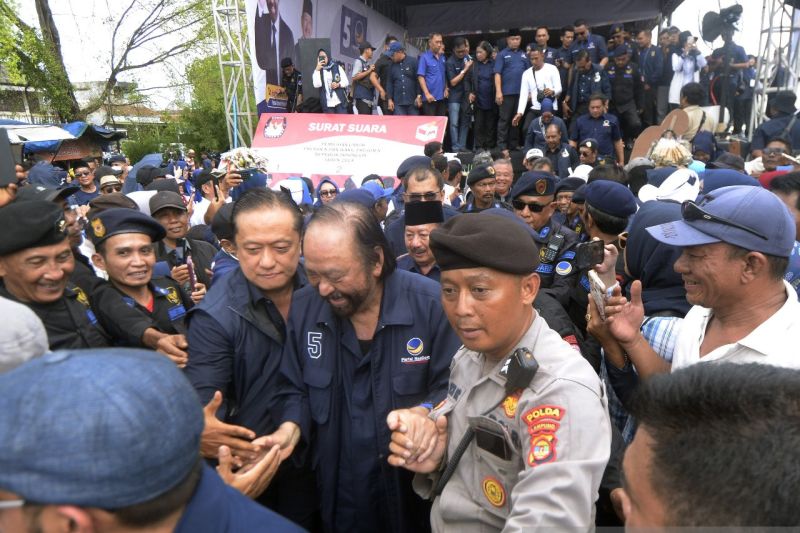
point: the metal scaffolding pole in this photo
(778, 63)
(234, 65)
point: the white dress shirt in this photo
(546, 77)
(771, 343)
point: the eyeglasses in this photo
(11, 504)
(430, 196)
(112, 188)
(690, 211)
(329, 193)
(622, 240)
(82, 173)
(771, 151)
(520, 205)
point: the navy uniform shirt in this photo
(604, 129)
(594, 44)
(402, 85)
(482, 84)
(563, 58)
(69, 321)
(556, 268)
(170, 304)
(453, 68)
(774, 127)
(627, 89)
(510, 64)
(564, 159)
(339, 391)
(550, 54)
(406, 262)
(651, 63)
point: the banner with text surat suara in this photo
(311, 144)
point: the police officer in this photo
(402, 86)
(533, 199)
(512, 447)
(236, 336)
(365, 339)
(35, 263)
(627, 92)
(292, 83)
(124, 241)
(421, 218)
(599, 125)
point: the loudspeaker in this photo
(307, 59)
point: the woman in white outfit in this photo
(687, 66)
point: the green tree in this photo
(148, 32)
(201, 124)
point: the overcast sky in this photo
(85, 29)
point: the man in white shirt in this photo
(736, 243)
(540, 81)
(204, 182)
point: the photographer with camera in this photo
(542, 80)
(331, 80)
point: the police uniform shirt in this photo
(510, 64)
(605, 129)
(340, 391)
(626, 86)
(539, 454)
(169, 305)
(69, 321)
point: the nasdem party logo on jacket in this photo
(414, 347)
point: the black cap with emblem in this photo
(31, 225)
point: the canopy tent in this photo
(20, 132)
(87, 140)
(491, 16)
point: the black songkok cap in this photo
(418, 213)
(484, 240)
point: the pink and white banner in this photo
(310, 144)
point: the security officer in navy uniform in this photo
(481, 182)
(627, 92)
(35, 263)
(587, 79)
(599, 125)
(124, 241)
(363, 340)
(533, 199)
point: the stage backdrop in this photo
(342, 146)
(347, 23)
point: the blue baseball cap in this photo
(717, 178)
(610, 197)
(106, 428)
(395, 47)
(723, 216)
(377, 191)
(410, 163)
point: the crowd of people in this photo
(190, 347)
(506, 95)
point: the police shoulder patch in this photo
(563, 268)
(172, 295)
(543, 422)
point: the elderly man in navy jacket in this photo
(363, 340)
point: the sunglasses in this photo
(519, 205)
(585, 153)
(328, 194)
(690, 211)
(82, 173)
(771, 151)
(112, 188)
(431, 196)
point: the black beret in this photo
(222, 223)
(30, 193)
(580, 195)
(484, 240)
(30, 225)
(119, 220)
(286, 62)
(534, 183)
(410, 163)
(478, 173)
(418, 213)
(569, 184)
(589, 143)
(611, 197)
